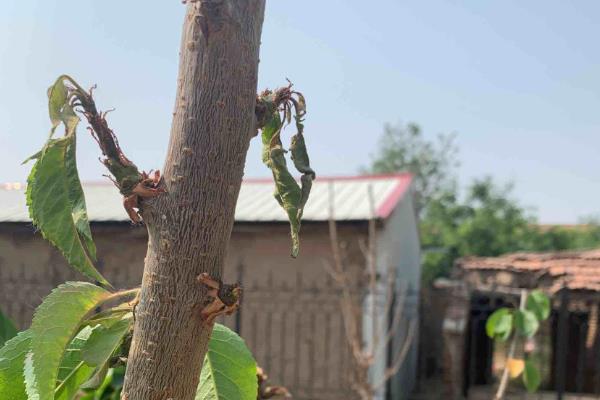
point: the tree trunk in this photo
(189, 226)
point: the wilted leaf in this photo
(54, 324)
(539, 304)
(291, 196)
(7, 329)
(12, 358)
(499, 324)
(531, 377)
(271, 129)
(526, 323)
(302, 164)
(59, 108)
(229, 370)
(288, 194)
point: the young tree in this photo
(520, 326)
(216, 114)
(189, 226)
(189, 213)
(488, 222)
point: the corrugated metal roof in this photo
(255, 203)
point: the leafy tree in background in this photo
(585, 235)
(490, 222)
(404, 148)
(486, 221)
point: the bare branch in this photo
(400, 357)
(372, 268)
(395, 326)
(363, 357)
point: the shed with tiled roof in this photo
(576, 271)
(568, 342)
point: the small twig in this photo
(224, 298)
(363, 357)
(346, 302)
(132, 183)
(395, 321)
(401, 356)
(372, 268)
(266, 391)
(122, 294)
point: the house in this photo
(290, 315)
(567, 346)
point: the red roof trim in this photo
(403, 175)
(386, 208)
(389, 204)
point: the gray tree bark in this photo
(189, 226)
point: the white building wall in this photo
(398, 247)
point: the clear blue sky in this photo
(518, 81)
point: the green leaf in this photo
(97, 378)
(77, 200)
(531, 377)
(55, 322)
(229, 370)
(73, 371)
(57, 207)
(54, 194)
(539, 304)
(500, 324)
(109, 316)
(86, 360)
(526, 323)
(12, 358)
(105, 340)
(7, 329)
(57, 98)
(110, 389)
